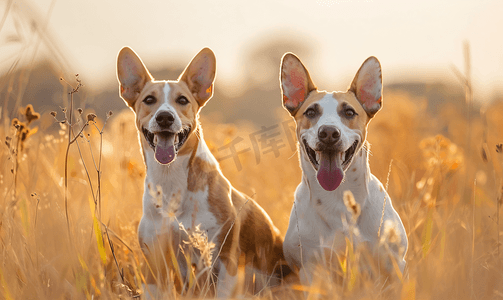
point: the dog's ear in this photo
(132, 75)
(200, 74)
(296, 83)
(367, 86)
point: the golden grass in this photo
(447, 199)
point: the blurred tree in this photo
(260, 96)
(263, 60)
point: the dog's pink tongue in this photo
(329, 173)
(165, 149)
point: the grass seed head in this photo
(30, 114)
(198, 239)
(156, 195)
(440, 152)
(351, 205)
(174, 205)
(484, 155)
(24, 134)
(391, 234)
(91, 117)
(17, 124)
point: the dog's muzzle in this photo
(166, 143)
(329, 161)
(314, 155)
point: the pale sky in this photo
(412, 39)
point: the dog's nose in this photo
(329, 134)
(165, 119)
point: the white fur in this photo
(317, 215)
(165, 107)
(226, 283)
(204, 152)
(330, 117)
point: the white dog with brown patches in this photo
(332, 131)
(193, 188)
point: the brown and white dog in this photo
(193, 188)
(332, 131)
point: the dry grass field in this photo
(70, 196)
(57, 231)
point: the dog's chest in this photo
(324, 211)
(185, 222)
(177, 207)
(194, 211)
(168, 204)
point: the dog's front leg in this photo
(151, 288)
(305, 276)
(154, 246)
(226, 282)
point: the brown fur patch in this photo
(259, 239)
(304, 123)
(221, 207)
(361, 120)
(181, 89)
(203, 174)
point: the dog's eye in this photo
(349, 112)
(149, 100)
(310, 113)
(182, 100)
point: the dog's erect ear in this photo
(132, 75)
(295, 82)
(200, 74)
(367, 86)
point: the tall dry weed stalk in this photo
(16, 143)
(68, 121)
(100, 229)
(466, 80)
(384, 200)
